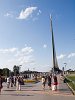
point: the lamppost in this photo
(63, 70)
(65, 66)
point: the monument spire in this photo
(55, 63)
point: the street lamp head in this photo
(20, 65)
(65, 63)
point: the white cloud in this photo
(23, 56)
(10, 60)
(8, 15)
(27, 50)
(26, 59)
(13, 49)
(16, 56)
(24, 51)
(71, 55)
(39, 12)
(27, 12)
(10, 50)
(44, 46)
(61, 56)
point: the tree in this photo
(1, 72)
(16, 70)
(6, 72)
(11, 73)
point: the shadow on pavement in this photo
(63, 90)
(9, 90)
(31, 90)
(23, 90)
(18, 94)
(27, 86)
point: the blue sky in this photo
(25, 37)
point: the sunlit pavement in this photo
(35, 92)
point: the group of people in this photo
(15, 81)
(51, 81)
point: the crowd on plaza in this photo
(11, 81)
(17, 81)
(51, 80)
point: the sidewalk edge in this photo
(71, 89)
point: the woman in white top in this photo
(8, 82)
(43, 82)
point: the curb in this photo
(71, 89)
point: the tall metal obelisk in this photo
(55, 63)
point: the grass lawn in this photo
(70, 82)
(71, 78)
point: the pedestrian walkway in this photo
(62, 88)
(31, 91)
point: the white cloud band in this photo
(27, 12)
(61, 56)
(71, 55)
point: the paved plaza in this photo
(34, 91)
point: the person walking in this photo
(0, 84)
(49, 81)
(19, 80)
(55, 81)
(8, 82)
(43, 82)
(17, 84)
(15, 78)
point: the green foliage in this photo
(72, 81)
(72, 85)
(6, 72)
(71, 77)
(16, 70)
(1, 72)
